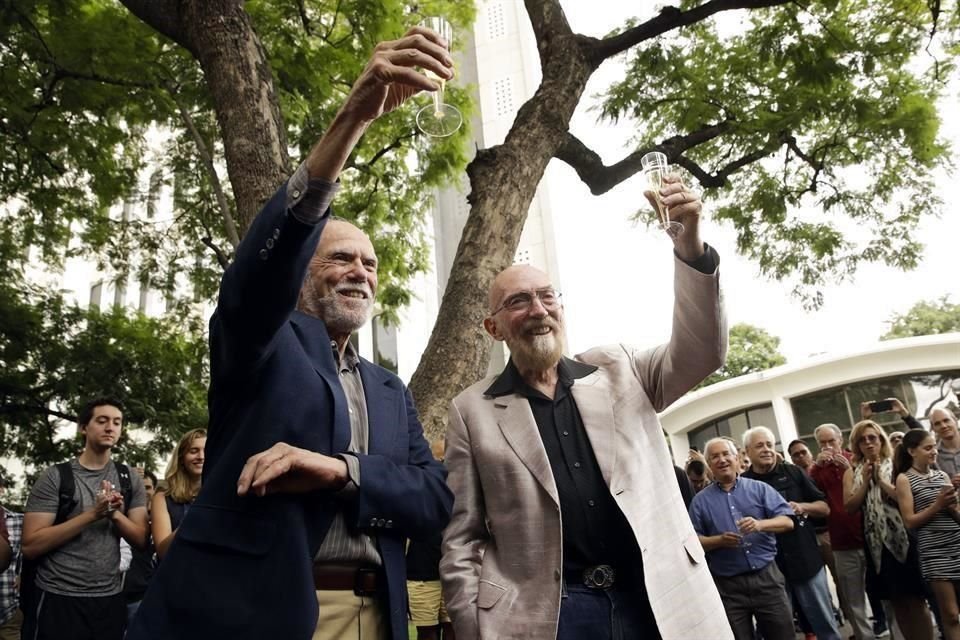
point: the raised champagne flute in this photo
(439, 119)
(655, 167)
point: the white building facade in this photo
(793, 399)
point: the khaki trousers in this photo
(347, 616)
(10, 630)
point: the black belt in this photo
(363, 581)
(601, 576)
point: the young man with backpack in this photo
(75, 516)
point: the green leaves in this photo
(54, 356)
(927, 317)
(831, 108)
(751, 349)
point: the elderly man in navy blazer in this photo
(316, 466)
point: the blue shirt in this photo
(715, 511)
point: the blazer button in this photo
(389, 524)
(276, 233)
(264, 254)
(269, 243)
(373, 522)
(381, 522)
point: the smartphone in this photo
(881, 405)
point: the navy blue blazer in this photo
(241, 567)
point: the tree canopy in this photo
(925, 318)
(796, 110)
(56, 356)
(751, 349)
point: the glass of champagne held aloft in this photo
(655, 167)
(439, 119)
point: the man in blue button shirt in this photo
(737, 520)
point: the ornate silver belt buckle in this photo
(601, 576)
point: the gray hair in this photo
(725, 440)
(832, 427)
(749, 433)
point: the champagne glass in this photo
(655, 167)
(737, 518)
(438, 119)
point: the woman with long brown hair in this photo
(928, 504)
(182, 485)
(892, 565)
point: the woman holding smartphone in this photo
(928, 503)
(892, 567)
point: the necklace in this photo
(925, 474)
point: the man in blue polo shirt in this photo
(737, 520)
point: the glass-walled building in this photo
(792, 400)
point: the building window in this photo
(734, 426)
(496, 22)
(503, 97)
(841, 405)
(385, 344)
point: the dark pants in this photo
(596, 614)
(759, 595)
(73, 618)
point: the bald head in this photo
(519, 277)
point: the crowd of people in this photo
(562, 517)
(882, 518)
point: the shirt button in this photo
(373, 522)
(276, 233)
(576, 465)
(264, 254)
(591, 502)
(296, 193)
(566, 433)
(269, 243)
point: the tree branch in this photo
(163, 16)
(222, 258)
(668, 19)
(206, 159)
(13, 407)
(396, 144)
(601, 178)
(304, 18)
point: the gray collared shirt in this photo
(342, 545)
(948, 461)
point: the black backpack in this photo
(66, 503)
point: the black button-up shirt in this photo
(594, 529)
(798, 553)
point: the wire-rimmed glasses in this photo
(549, 297)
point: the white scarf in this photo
(883, 526)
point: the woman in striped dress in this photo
(928, 503)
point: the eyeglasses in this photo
(523, 300)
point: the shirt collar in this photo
(509, 381)
(350, 358)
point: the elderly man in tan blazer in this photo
(568, 522)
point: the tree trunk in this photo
(503, 181)
(237, 71)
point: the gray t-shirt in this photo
(89, 564)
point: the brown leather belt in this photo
(363, 581)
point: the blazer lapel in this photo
(596, 411)
(382, 410)
(516, 422)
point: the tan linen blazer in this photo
(501, 563)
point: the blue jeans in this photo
(605, 615)
(813, 597)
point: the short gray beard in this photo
(337, 318)
(541, 353)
